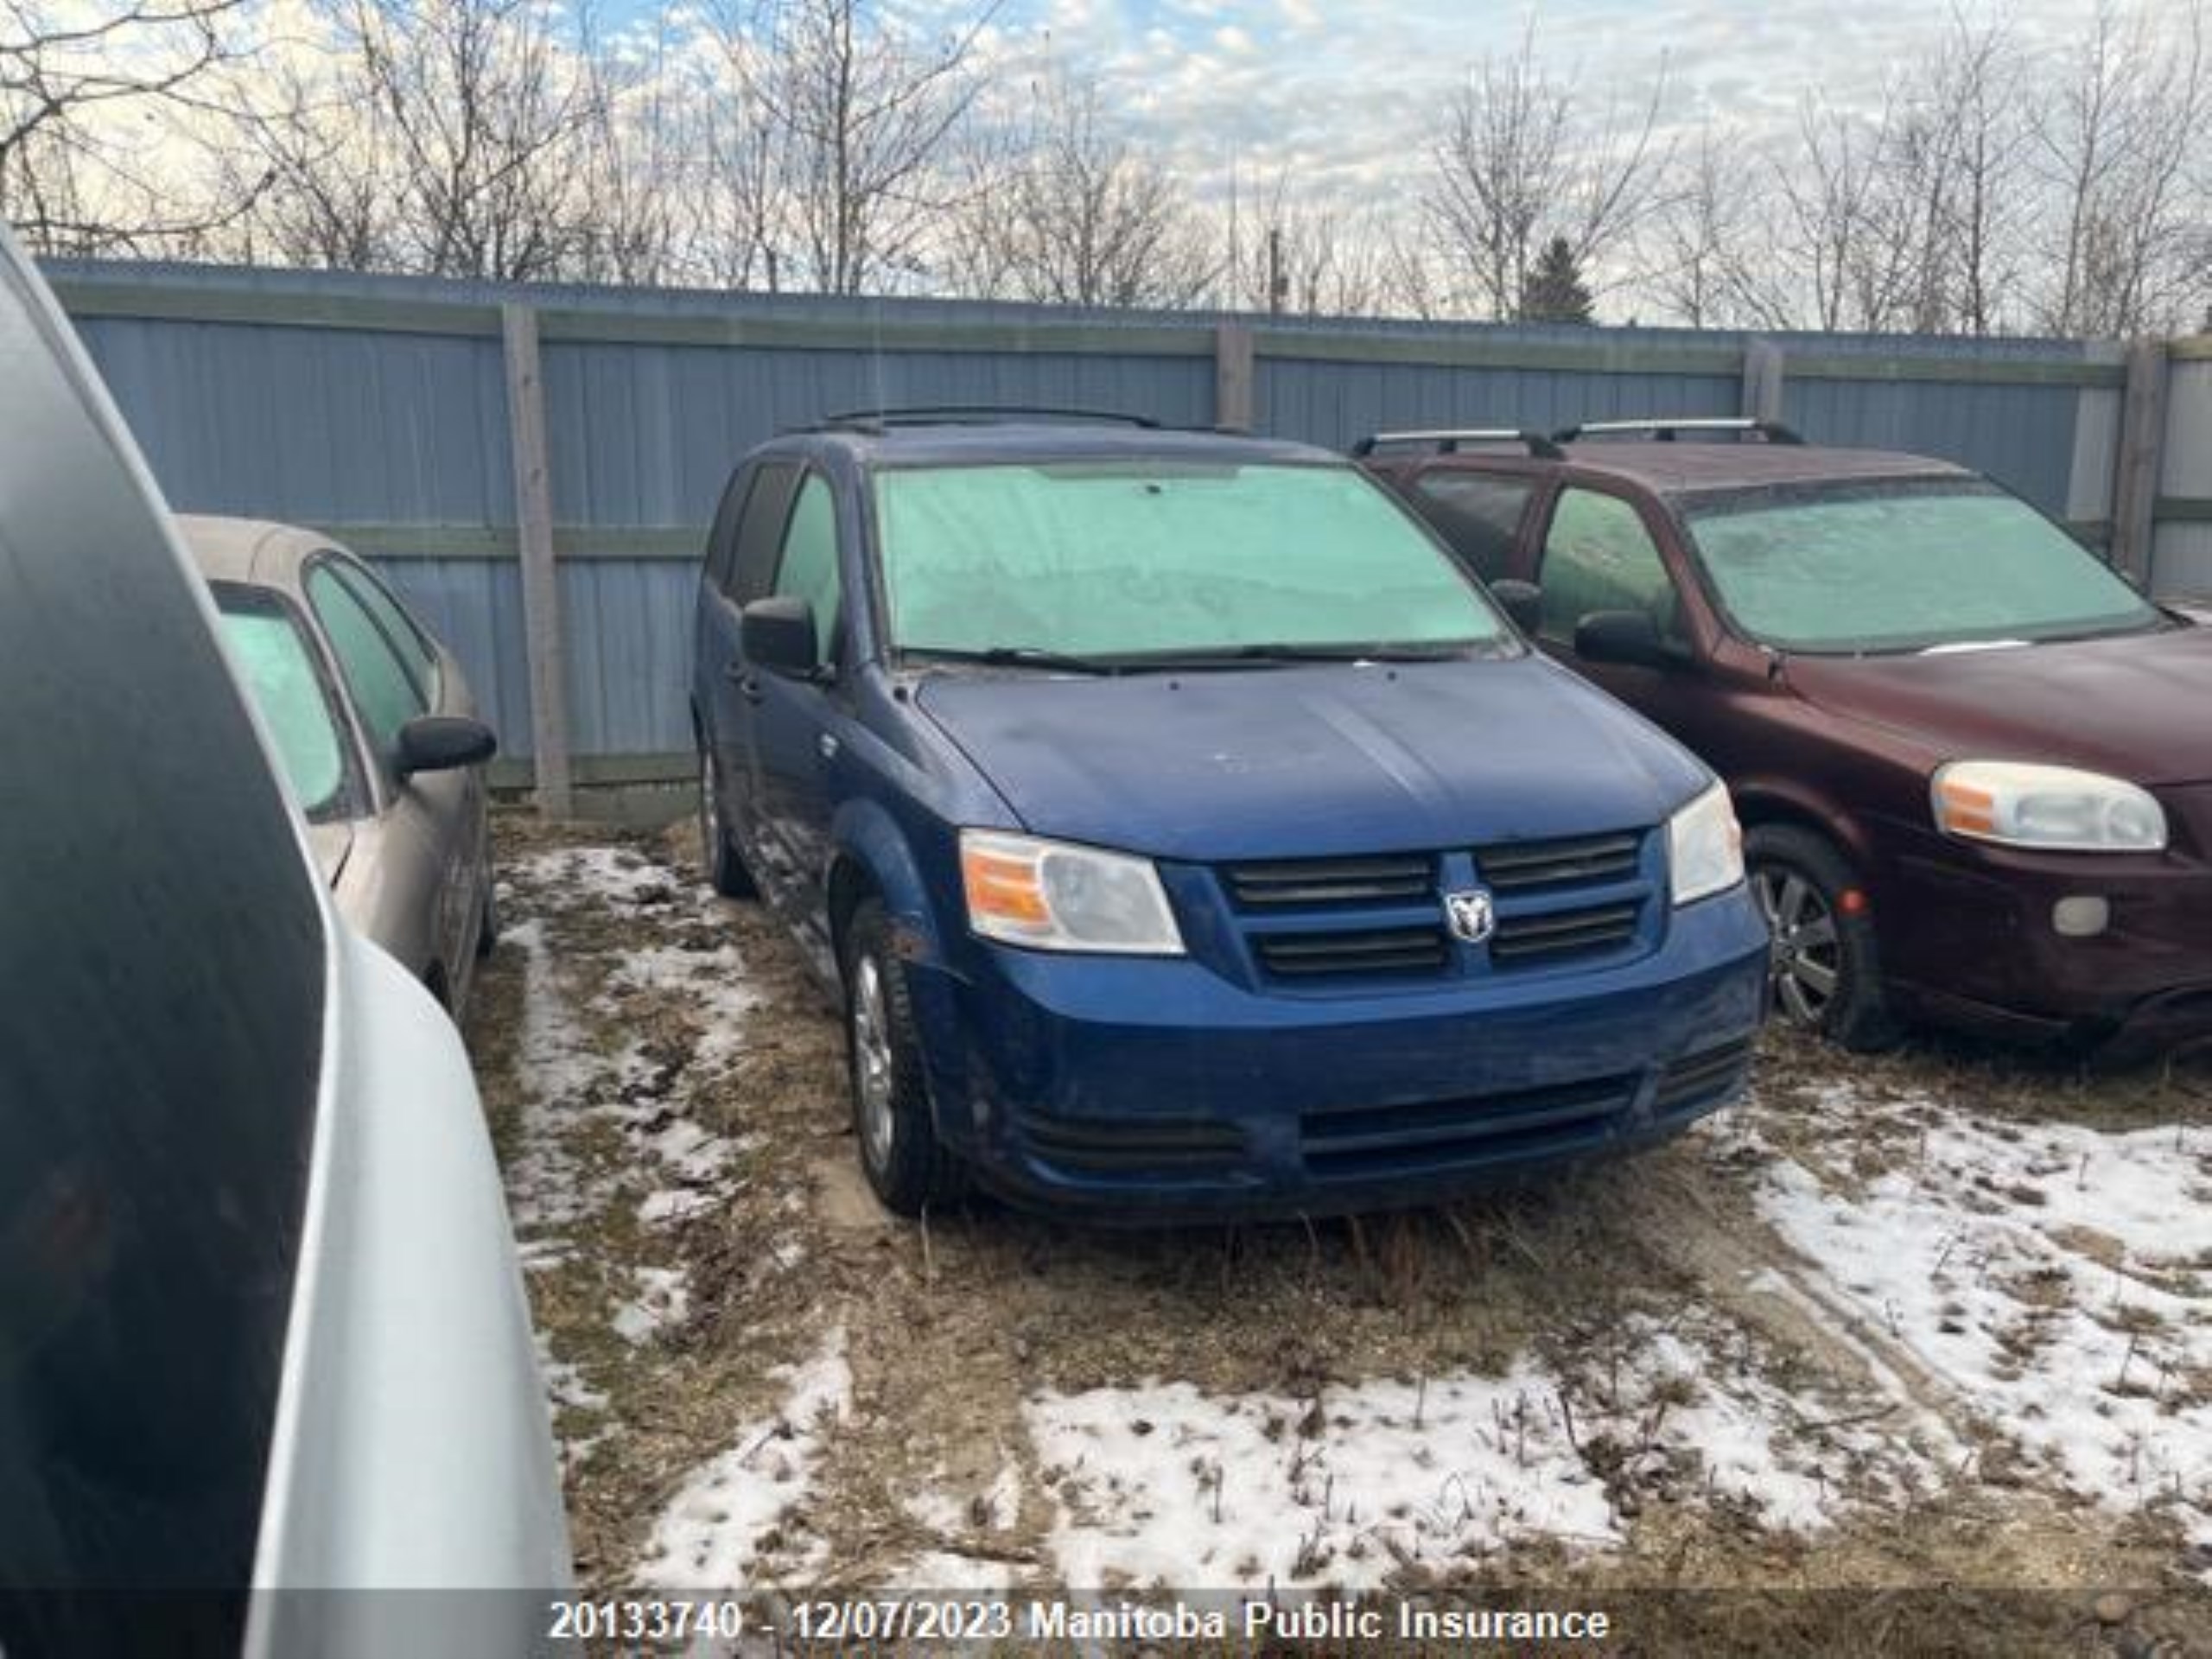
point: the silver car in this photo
(261, 1326)
(378, 738)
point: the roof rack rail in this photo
(1449, 440)
(878, 420)
(1664, 429)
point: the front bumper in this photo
(1969, 936)
(1143, 1089)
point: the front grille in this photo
(1364, 951)
(1698, 1077)
(1302, 883)
(1133, 1146)
(1479, 1128)
(1551, 936)
(1525, 866)
(1325, 923)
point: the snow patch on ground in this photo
(606, 1122)
(1164, 1484)
(663, 1299)
(726, 1523)
(547, 1188)
(938, 1511)
(668, 1206)
(612, 873)
(937, 1570)
(2059, 1277)
(1003, 1500)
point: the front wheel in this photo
(900, 1154)
(725, 869)
(1823, 968)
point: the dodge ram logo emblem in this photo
(1471, 914)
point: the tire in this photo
(487, 918)
(1826, 974)
(900, 1151)
(725, 869)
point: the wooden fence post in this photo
(2135, 478)
(1232, 376)
(1762, 377)
(540, 589)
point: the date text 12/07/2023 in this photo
(924, 1619)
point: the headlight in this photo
(1052, 896)
(2056, 808)
(1704, 848)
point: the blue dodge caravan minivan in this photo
(1183, 834)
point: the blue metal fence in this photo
(376, 408)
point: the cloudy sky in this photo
(1338, 90)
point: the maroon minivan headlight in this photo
(2052, 809)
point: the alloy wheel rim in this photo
(872, 1063)
(1805, 960)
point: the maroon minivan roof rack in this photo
(1669, 429)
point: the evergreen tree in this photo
(1552, 289)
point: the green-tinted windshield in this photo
(273, 654)
(1903, 566)
(1137, 559)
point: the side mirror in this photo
(1629, 638)
(1524, 602)
(443, 743)
(777, 633)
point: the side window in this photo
(283, 671)
(382, 691)
(1478, 514)
(1597, 556)
(808, 569)
(721, 540)
(760, 532)
(406, 635)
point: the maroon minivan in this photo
(1974, 765)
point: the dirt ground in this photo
(1933, 1322)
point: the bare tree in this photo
(642, 172)
(1983, 89)
(489, 105)
(1077, 215)
(862, 111)
(69, 179)
(2115, 147)
(1709, 246)
(1517, 167)
(1835, 230)
(1308, 256)
(744, 219)
(310, 129)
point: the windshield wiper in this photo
(1288, 651)
(1017, 657)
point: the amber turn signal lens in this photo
(1965, 809)
(1008, 888)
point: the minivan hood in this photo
(1314, 761)
(2133, 706)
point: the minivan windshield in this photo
(1135, 560)
(1903, 565)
